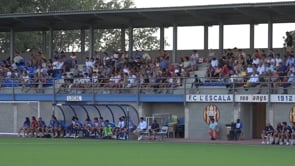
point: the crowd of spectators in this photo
(96, 127)
(282, 134)
(236, 68)
(118, 70)
(103, 70)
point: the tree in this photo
(105, 39)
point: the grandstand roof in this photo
(255, 13)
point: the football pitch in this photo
(88, 152)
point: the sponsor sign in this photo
(209, 98)
(251, 98)
(74, 98)
(282, 98)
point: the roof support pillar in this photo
(130, 44)
(270, 25)
(206, 43)
(44, 41)
(220, 39)
(252, 35)
(12, 44)
(123, 38)
(82, 37)
(162, 38)
(50, 45)
(91, 41)
(174, 43)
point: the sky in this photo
(193, 38)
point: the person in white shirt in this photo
(278, 60)
(256, 61)
(250, 69)
(214, 62)
(253, 81)
(120, 128)
(141, 127)
(194, 59)
(131, 80)
(261, 68)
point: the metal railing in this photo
(164, 86)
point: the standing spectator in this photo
(194, 60)
(289, 41)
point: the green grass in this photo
(76, 152)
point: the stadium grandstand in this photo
(183, 89)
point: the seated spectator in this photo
(214, 62)
(78, 125)
(55, 127)
(225, 71)
(132, 80)
(293, 134)
(141, 127)
(41, 129)
(130, 124)
(25, 81)
(107, 130)
(74, 127)
(119, 130)
(278, 134)
(250, 69)
(97, 128)
(236, 130)
(290, 81)
(34, 126)
(253, 81)
(286, 134)
(267, 134)
(213, 129)
(218, 71)
(236, 80)
(87, 126)
(25, 128)
(155, 127)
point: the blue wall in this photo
(99, 98)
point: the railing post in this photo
(138, 94)
(13, 89)
(92, 89)
(184, 84)
(54, 93)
